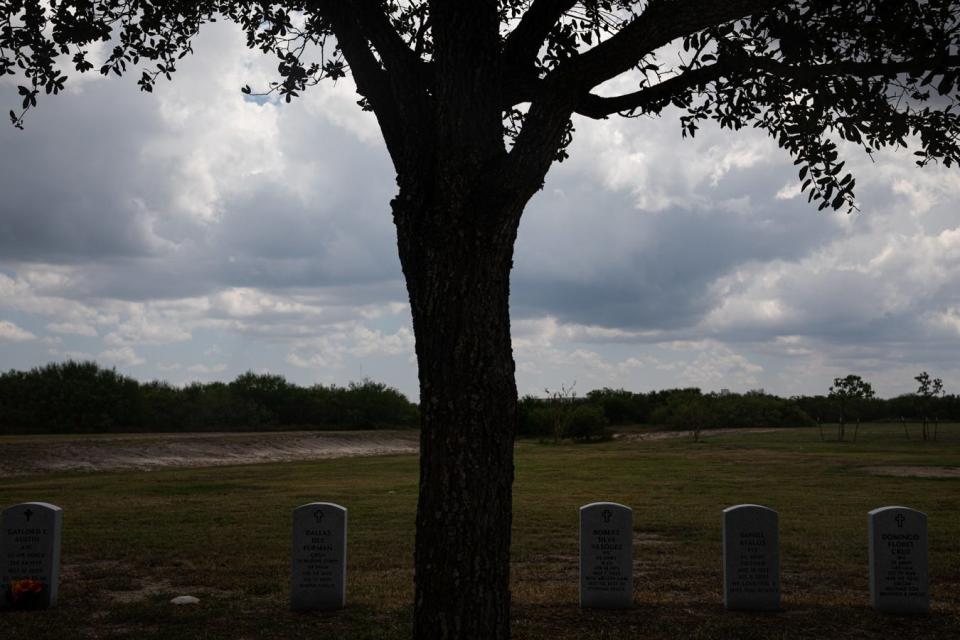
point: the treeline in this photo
(910, 407)
(82, 397)
(588, 417)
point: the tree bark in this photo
(456, 250)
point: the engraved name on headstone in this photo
(751, 558)
(898, 560)
(30, 555)
(318, 576)
(606, 556)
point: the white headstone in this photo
(606, 556)
(751, 558)
(899, 579)
(318, 576)
(30, 555)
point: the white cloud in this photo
(789, 191)
(331, 350)
(204, 369)
(719, 366)
(12, 333)
(146, 329)
(71, 354)
(73, 328)
(124, 356)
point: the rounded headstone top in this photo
(325, 505)
(39, 505)
(749, 506)
(594, 505)
(880, 510)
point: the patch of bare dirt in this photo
(645, 539)
(915, 471)
(153, 451)
(706, 433)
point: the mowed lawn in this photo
(133, 540)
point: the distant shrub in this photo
(536, 420)
(696, 415)
(548, 418)
(587, 422)
(731, 410)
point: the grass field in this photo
(133, 540)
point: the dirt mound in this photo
(22, 456)
(666, 435)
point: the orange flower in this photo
(18, 588)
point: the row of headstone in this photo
(30, 556)
(31, 533)
(751, 558)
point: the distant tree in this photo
(621, 406)
(848, 393)
(697, 414)
(927, 393)
(670, 403)
(562, 402)
(587, 422)
(475, 101)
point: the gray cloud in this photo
(590, 255)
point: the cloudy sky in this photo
(194, 234)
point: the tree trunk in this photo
(457, 253)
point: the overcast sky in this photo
(193, 234)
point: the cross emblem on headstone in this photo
(607, 514)
(318, 515)
(900, 519)
(28, 514)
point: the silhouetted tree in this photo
(696, 415)
(474, 100)
(929, 390)
(562, 402)
(848, 393)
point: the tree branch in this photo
(371, 79)
(393, 51)
(560, 94)
(524, 42)
(649, 98)
(661, 23)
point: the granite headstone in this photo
(318, 576)
(751, 558)
(606, 556)
(899, 577)
(30, 555)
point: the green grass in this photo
(133, 540)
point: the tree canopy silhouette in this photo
(475, 101)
